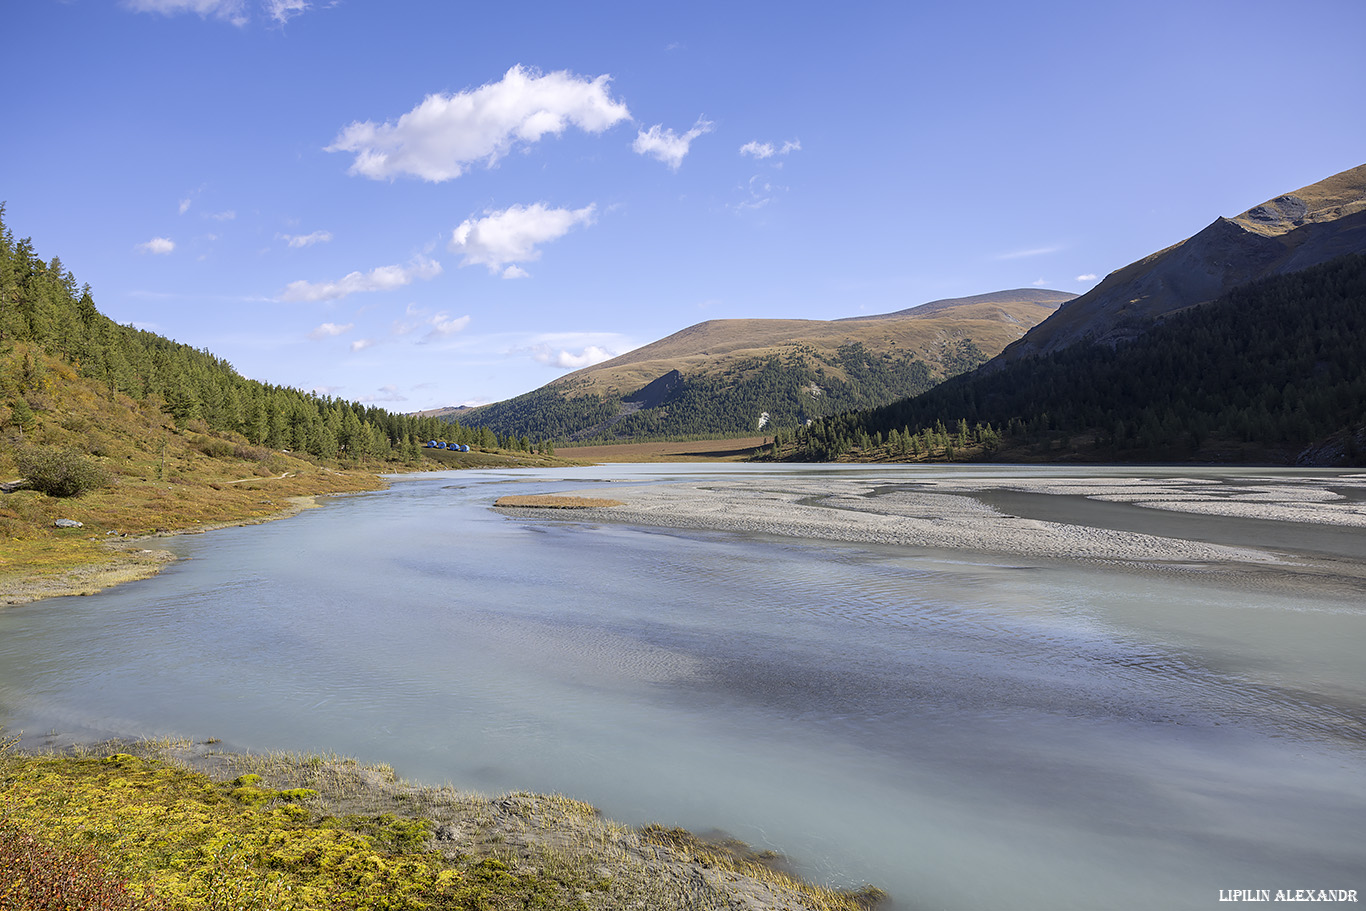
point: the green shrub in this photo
(213, 447)
(62, 473)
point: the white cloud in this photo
(361, 344)
(512, 235)
(306, 240)
(227, 215)
(758, 149)
(384, 278)
(185, 205)
(330, 330)
(1040, 283)
(442, 136)
(443, 325)
(1088, 277)
(158, 245)
(233, 11)
(667, 146)
(568, 360)
(438, 325)
(515, 272)
(284, 10)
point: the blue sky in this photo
(420, 203)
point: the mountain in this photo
(737, 376)
(1287, 234)
(1241, 343)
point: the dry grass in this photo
(715, 346)
(554, 501)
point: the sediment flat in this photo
(948, 512)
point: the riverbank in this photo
(300, 831)
(60, 546)
(1145, 522)
(90, 565)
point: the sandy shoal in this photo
(942, 513)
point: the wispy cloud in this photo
(305, 240)
(385, 394)
(159, 246)
(758, 149)
(226, 215)
(667, 146)
(571, 360)
(233, 11)
(440, 138)
(361, 344)
(281, 11)
(330, 330)
(1088, 277)
(513, 235)
(1040, 283)
(1033, 251)
(384, 278)
(759, 192)
(438, 325)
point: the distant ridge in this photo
(1287, 234)
(737, 376)
(996, 298)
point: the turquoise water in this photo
(965, 731)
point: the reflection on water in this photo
(967, 731)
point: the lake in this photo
(963, 730)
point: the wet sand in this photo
(958, 513)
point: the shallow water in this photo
(965, 731)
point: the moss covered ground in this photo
(182, 827)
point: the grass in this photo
(176, 825)
(554, 501)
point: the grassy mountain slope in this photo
(1270, 372)
(1291, 232)
(746, 375)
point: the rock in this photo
(68, 523)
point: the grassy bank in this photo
(144, 474)
(177, 825)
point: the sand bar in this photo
(946, 513)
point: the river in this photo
(963, 730)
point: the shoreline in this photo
(130, 560)
(547, 836)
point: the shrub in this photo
(62, 473)
(212, 447)
(39, 876)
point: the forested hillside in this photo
(107, 431)
(1272, 371)
(747, 396)
(47, 319)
